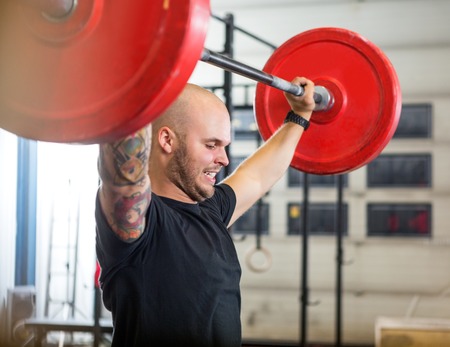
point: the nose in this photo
(222, 157)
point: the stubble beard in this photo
(182, 173)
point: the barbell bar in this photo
(94, 70)
(322, 96)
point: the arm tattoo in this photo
(129, 214)
(130, 158)
(123, 169)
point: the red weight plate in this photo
(367, 96)
(106, 70)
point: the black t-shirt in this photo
(178, 284)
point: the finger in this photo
(302, 81)
(306, 84)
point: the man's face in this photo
(199, 157)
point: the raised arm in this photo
(259, 172)
(125, 188)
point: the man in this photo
(170, 272)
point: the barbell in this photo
(91, 71)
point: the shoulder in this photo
(223, 201)
(222, 192)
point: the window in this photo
(415, 122)
(399, 220)
(405, 170)
(244, 124)
(248, 223)
(321, 218)
(295, 179)
(234, 163)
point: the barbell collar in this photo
(322, 97)
(53, 10)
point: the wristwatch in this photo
(297, 119)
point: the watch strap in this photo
(297, 119)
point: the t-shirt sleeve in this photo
(110, 249)
(225, 199)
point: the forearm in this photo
(125, 189)
(259, 172)
(269, 163)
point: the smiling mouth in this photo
(210, 174)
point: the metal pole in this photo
(339, 260)
(304, 275)
(259, 206)
(249, 34)
(228, 76)
(75, 260)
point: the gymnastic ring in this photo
(258, 268)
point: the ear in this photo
(166, 139)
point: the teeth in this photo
(210, 174)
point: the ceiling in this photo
(223, 5)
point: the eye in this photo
(210, 146)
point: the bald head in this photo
(192, 102)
